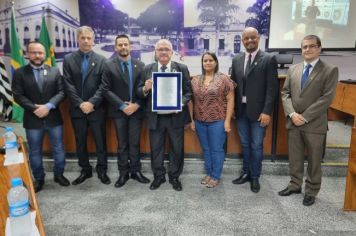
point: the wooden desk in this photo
(345, 101)
(20, 170)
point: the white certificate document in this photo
(167, 92)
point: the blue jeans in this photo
(251, 138)
(35, 141)
(212, 137)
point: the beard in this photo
(36, 63)
(124, 53)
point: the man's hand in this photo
(130, 108)
(41, 110)
(148, 85)
(264, 119)
(298, 119)
(86, 107)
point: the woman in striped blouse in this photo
(211, 110)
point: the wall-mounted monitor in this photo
(334, 21)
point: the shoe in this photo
(82, 177)
(212, 183)
(242, 179)
(122, 180)
(176, 184)
(104, 178)
(287, 192)
(255, 185)
(63, 181)
(205, 180)
(38, 185)
(140, 177)
(308, 200)
(157, 182)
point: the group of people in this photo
(209, 102)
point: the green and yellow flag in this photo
(46, 41)
(17, 60)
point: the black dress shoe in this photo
(242, 179)
(176, 184)
(157, 182)
(140, 177)
(122, 180)
(38, 185)
(104, 178)
(287, 192)
(63, 181)
(255, 185)
(82, 177)
(308, 200)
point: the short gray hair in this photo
(83, 28)
(165, 41)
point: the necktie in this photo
(39, 77)
(163, 68)
(248, 65)
(305, 75)
(127, 77)
(85, 63)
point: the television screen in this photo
(334, 21)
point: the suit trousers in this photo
(80, 126)
(298, 141)
(176, 147)
(128, 133)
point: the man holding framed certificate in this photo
(165, 85)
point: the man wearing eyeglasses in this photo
(306, 95)
(160, 124)
(38, 89)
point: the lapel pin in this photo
(255, 63)
(135, 66)
(93, 64)
(44, 72)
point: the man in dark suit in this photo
(306, 95)
(120, 79)
(255, 73)
(82, 71)
(160, 123)
(38, 89)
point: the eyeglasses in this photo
(311, 46)
(34, 53)
(163, 50)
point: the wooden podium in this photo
(18, 170)
(345, 101)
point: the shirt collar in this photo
(313, 63)
(37, 67)
(168, 66)
(87, 53)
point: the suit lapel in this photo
(45, 77)
(298, 75)
(316, 71)
(91, 64)
(255, 62)
(32, 77)
(134, 71)
(78, 60)
(118, 68)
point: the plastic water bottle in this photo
(12, 153)
(20, 218)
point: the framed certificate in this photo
(167, 92)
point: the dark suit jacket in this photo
(90, 90)
(116, 87)
(27, 94)
(313, 101)
(261, 84)
(181, 118)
